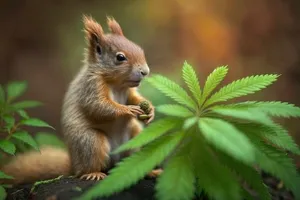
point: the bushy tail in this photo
(33, 166)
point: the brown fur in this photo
(99, 110)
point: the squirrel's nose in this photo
(144, 69)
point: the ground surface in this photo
(68, 188)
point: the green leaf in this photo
(2, 95)
(25, 104)
(172, 90)
(213, 80)
(272, 108)
(35, 122)
(251, 115)
(177, 180)
(188, 123)
(227, 138)
(25, 137)
(2, 193)
(148, 134)
(49, 140)
(241, 87)
(7, 147)
(142, 162)
(247, 173)
(5, 176)
(174, 110)
(191, 79)
(16, 89)
(215, 178)
(10, 121)
(23, 114)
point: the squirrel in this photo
(99, 111)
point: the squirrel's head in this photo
(112, 55)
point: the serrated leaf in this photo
(174, 110)
(190, 77)
(241, 87)
(246, 173)
(16, 89)
(177, 180)
(10, 121)
(7, 146)
(25, 137)
(5, 176)
(23, 114)
(213, 80)
(2, 95)
(250, 115)
(2, 193)
(148, 134)
(49, 139)
(272, 108)
(154, 153)
(217, 181)
(227, 138)
(35, 122)
(25, 104)
(188, 123)
(172, 90)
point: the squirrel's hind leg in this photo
(90, 154)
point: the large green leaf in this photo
(16, 89)
(189, 122)
(148, 134)
(7, 146)
(227, 138)
(174, 110)
(214, 178)
(35, 122)
(172, 90)
(191, 79)
(212, 81)
(25, 104)
(177, 180)
(241, 87)
(25, 137)
(142, 162)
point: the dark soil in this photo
(68, 188)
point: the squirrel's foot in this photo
(154, 173)
(94, 176)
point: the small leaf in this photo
(142, 162)
(7, 147)
(25, 104)
(2, 95)
(241, 87)
(150, 133)
(10, 121)
(227, 138)
(213, 80)
(25, 137)
(172, 90)
(23, 114)
(5, 176)
(190, 77)
(177, 180)
(188, 123)
(2, 193)
(16, 89)
(174, 110)
(35, 122)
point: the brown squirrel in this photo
(99, 112)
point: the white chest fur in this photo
(118, 95)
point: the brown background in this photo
(42, 42)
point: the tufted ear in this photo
(114, 26)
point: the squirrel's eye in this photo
(120, 57)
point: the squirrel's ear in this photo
(93, 30)
(114, 26)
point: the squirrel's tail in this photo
(33, 166)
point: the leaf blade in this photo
(15, 89)
(25, 137)
(174, 110)
(7, 147)
(35, 122)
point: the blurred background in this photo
(42, 43)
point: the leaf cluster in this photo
(209, 147)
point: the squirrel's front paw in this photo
(135, 110)
(94, 176)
